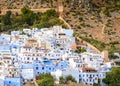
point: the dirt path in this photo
(69, 27)
(60, 10)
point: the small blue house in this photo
(13, 82)
(4, 48)
(3, 40)
(48, 66)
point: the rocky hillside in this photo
(95, 20)
(33, 4)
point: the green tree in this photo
(0, 18)
(6, 19)
(83, 50)
(112, 56)
(45, 80)
(70, 78)
(113, 77)
(51, 13)
(95, 84)
(28, 16)
(65, 80)
(62, 80)
(80, 50)
(67, 1)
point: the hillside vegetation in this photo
(29, 19)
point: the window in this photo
(36, 58)
(91, 59)
(83, 75)
(28, 58)
(9, 81)
(80, 80)
(7, 61)
(79, 75)
(42, 68)
(90, 75)
(90, 83)
(36, 68)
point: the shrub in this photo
(67, 79)
(45, 80)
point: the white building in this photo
(92, 60)
(27, 72)
(20, 49)
(85, 75)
